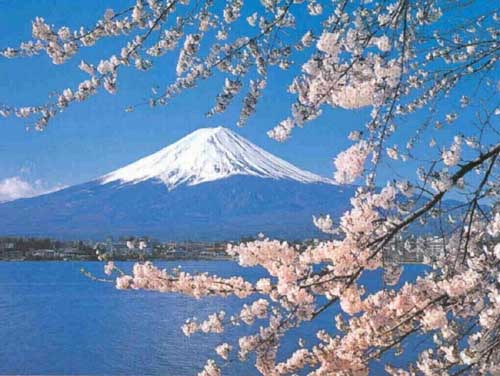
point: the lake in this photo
(56, 321)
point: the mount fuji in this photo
(211, 185)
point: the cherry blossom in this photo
(416, 72)
(223, 350)
(350, 163)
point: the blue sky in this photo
(97, 136)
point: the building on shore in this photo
(412, 249)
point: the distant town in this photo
(38, 249)
(401, 250)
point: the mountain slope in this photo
(223, 209)
(210, 185)
(209, 154)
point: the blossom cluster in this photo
(389, 59)
(440, 304)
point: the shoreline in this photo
(125, 260)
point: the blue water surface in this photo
(56, 321)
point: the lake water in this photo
(55, 321)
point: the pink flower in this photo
(434, 318)
(350, 163)
(124, 282)
(210, 369)
(109, 267)
(223, 350)
(350, 301)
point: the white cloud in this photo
(15, 187)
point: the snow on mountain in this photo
(245, 190)
(209, 154)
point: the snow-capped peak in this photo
(209, 154)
